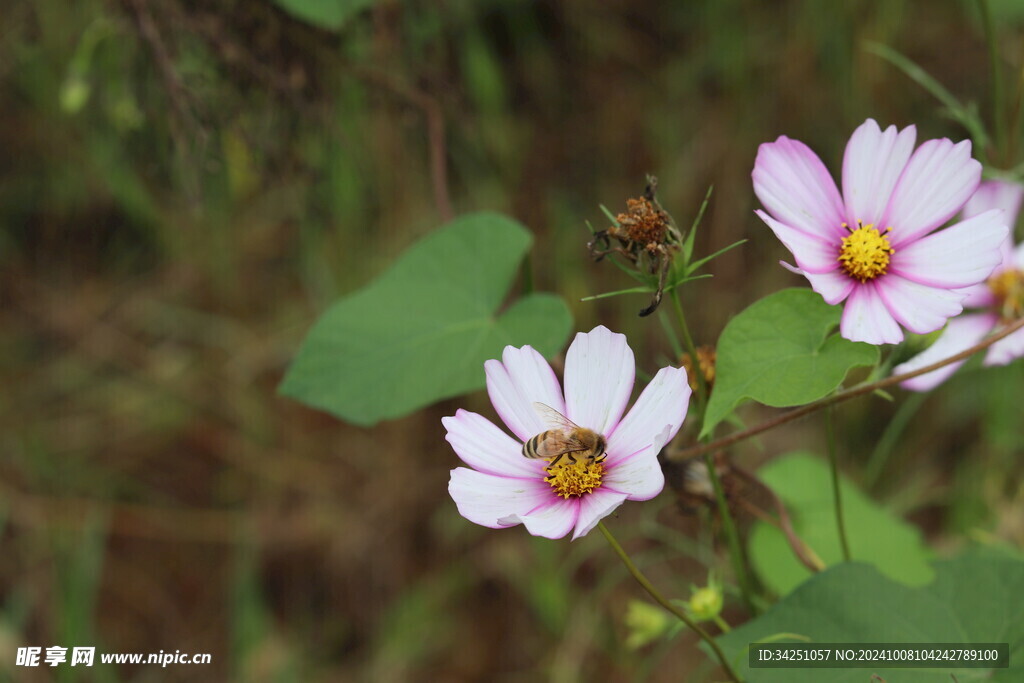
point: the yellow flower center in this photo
(865, 252)
(1008, 288)
(574, 478)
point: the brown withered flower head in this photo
(644, 235)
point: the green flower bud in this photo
(645, 623)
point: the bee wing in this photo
(554, 418)
(556, 443)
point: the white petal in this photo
(833, 287)
(918, 308)
(594, 507)
(995, 194)
(939, 178)
(1017, 259)
(960, 334)
(872, 164)
(490, 500)
(639, 475)
(813, 253)
(655, 417)
(484, 447)
(552, 519)
(1006, 349)
(866, 319)
(978, 296)
(959, 256)
(599, 372)
(514, 384)
(796, 188)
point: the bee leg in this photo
(602, 457)
(572, 458)
(555, 461)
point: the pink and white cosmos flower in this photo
(876, 246)
(1000, 300)
(504, 489)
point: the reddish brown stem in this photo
(839, 397)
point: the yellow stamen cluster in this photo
(865, 252)
(1008, 289)
(574, 478)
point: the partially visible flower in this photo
(1000, 299)
(504, 489)
(876, 246)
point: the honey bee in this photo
(567, 439)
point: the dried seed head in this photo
(643, 223)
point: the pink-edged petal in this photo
(996, 194)
(939, 178)
(639, 475)
(594, 507)
(796, 188)
(866, 319)
(978, 296)
(494, 501)
(813, 253)
(872, 164)
(1017, 259)
(552, 519)
(599, 373)
(1006, 349)
(960, 334)
(521, 378)
(918, 308)
(833, 287)
(662, 406)
(485, 447)
(959, 256)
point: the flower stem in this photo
(837, 498)
(839, 397)
(691, 348)
(995, 73)
(661, 600)
(732, 537)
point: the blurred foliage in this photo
(185, 186)
(804, 483)
(965, 604)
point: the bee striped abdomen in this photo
(530, 447)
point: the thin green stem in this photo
(661, 600)
(887, 442)
(995, 74)
(837, 498)
(732, 537)
(839, 397)
(722, 624)
(691, 348)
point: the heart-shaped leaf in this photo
(804, 483)
(974, 599)
(778, 352)
(422, 330)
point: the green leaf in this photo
(330, 15)
(804, 483)
(422, 330)
(974, 598)
(777, 352)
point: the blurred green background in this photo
(185, 186)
